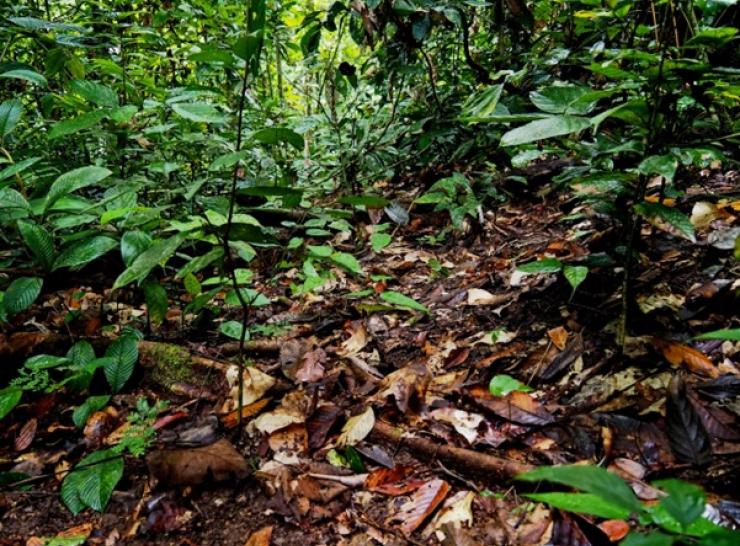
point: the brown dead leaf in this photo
(255, 383)
(407, 385)
(82, 530)
(615, 529)
(356, 341)
(192, 466)
(231, 419)
(518, 407)
(320, 423)
(261, 537)
(559, 336)
(289, 443)
(465, 423)
(477, 296)
(384, 476)
(421, 505)
(357, 428)
(679, 354)
(311, 367)
(26, 435)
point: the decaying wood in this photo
(463, 459)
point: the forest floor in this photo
(338, 379)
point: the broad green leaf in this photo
(10, 113)
(157, 254)
(21, 293)
(311, 39)
(542, 129)
(231, 328)
(322, 251)
(562, 99)
(39, 242)
(227, 161)
(589, 479)
(378, 241)
(92, 481)
(77, 124)
(87, 408)
(546, 265)
(348, 262)
(671, 216)
(481, 105)
(134, 243)
(201, 112)
(74, 180)
(123, 354)
(95, 92)
(581, 503)
(372, 201)
(200, 262)
(26, 75)
(191, 283)
(396, 298)
(81, 353)
(503, 384)
(156, 301)
(685, 501)
(732, 334)
(654, 538)
(275, 135)
(575, 275)
(664, 165)
(247, 46)
(12, 205)
(9, 398)
(84, 252)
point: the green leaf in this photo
(84, 252)
(92, 481)
(81, 353)
(503, 384)
(27, 75)
(157, 254)
(134, 243)
(546, 265)
(247, 46)
(575, 275)
(372, 201)
(75, 125)
(231, 328)
(378, 241)
(481, 105)
(201, 112)
(10, 113)
(123, 354)
(581, 503)
(348, 262)
(192, 285)
(39, 242)
(669, 215)
(276, 135)
(9, 398)
(19, 167)
(396, 298)
(21, 293)
(87, 408)
(654, 538)
(156, 301)
(73, 181)
(562, 99)
(542, 129)
(311, 39)
(589, 479)
(322, 251)
(95, 92)
(732, 334)
(664, 165)
(685, 501)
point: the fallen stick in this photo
(465, 459)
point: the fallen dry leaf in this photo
(82, 530)
(357, 428)
(255, 384)
(193, 466)
(421, 505)
(289, 443)
(679, 354)
(319, 424)
(465, 423)
(407, 385)
(231, 419)
(356, 342)
(456, 511)
(477, 296)
(26, 435)
(615, 529)
(518, 407)
(311, 367)
(260, 538)
(559, 337)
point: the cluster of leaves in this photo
(677, 519)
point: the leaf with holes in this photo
(123, 354)
(92, 481)
(21, 293)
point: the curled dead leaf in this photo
(421, 505)
(679, 354)
(357, 428)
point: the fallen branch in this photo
(463, 459)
